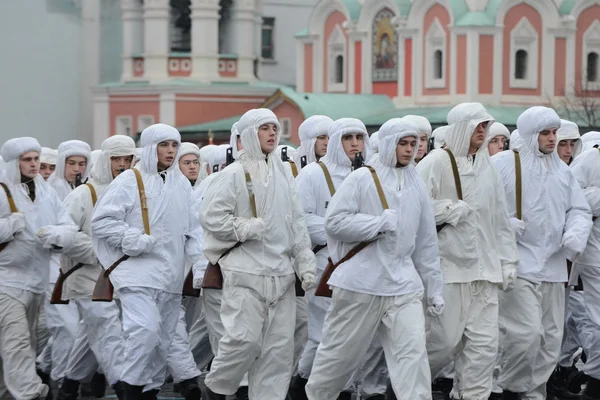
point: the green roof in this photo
(220, 125)
(353, 7)
(338, 105)
(302, 33)
(566, 7)
(476, 18)
(190, 82)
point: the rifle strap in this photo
(93, 193)
(456, 174)
(251, 194)
(294, 168)
(11, 201)
(143, 204)
(518, 185)
(327, 178)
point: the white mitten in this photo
(509, 277)
(309, 281)
(135, 242)
(571, 244)
(56, 238)
(436, 306)
(18, 222)
(458, 212)
(518, 227)
(389, 221)
(252, 229)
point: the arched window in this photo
(339, 69)
(438, 69)
(521, 64)
(592, 67)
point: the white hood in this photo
(422, 124)
(233, 139)
(590, 139)
(335, 151)
(569, 130)
(218, 157)
(515, 141)
(497, 129)
(68, 149)
(462, 121)
(309, 130)
(530, 124)
(11, 152)
(150, 138)
(48, 156)
(439, 136)
(114, 146)
(205, 155)
(188, 148)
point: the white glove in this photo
(569, 244)
(135, 242)
(389, 221)
(17, 221)
(56, 238)
(309, 281)
(518, 227)
(436, 307)
(458, 212)
(509, 277)
(252, 229)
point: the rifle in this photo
(303, 162)
(188, 286)
(104, 290)
(284, 156)
(78, 181)
(215, 168)
(213, 277)
(358, 161)
(229, 156)
(56, 297)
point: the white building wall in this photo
(291, 16)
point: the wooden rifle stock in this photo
(56, 297)
(188, 286)
(323, 289)
(213, 277)
(104, 290)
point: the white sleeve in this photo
(426, 255)
(195, 241)
(112, 208)
(431, 172)
(578, 223)
(506, 241)
(304, 258)
(314, 223)
(343, 220)
(76, 206)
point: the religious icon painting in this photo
(385, 48)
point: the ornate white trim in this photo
(435, 43)
(524, 37)
(337, 47)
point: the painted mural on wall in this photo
(385, 47)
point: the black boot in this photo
(496, 396)
(297, 389)
(345, 396)
(208, 394)
(69, 390)
(242, 393)
(189, 389)
(150, 394)
(443, 385)
(43, 376)
(119, 389)
(511, 395)
(133, 392)
(558, 384)
(592, 390)
(98, 385)
(376, 397)
(390, 391)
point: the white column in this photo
(472, 67)
(133, 34)
(156, 39)
(91, 17)
(205, 40)
(167, 108)
(102, 122)
(570, 64)
(242, 21)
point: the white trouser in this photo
(301, 330)
(180, 360)
(149, 323)
(574, 316)
(372, 375)
(99, 342)
(258, 315)
(18, 318)
(350, 326)
(62, 321)
(211, 303)
(532, 315)
(468, 332)
(199, 340)
(591, 327)
(317, 309)
(42, 334)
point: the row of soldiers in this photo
(129, 265)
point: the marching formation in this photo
(384, 266)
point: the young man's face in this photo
(547, 140)
(46, 170)
(166, 152)
(190, 166)
(478, 136)
(496, 145)
(321, 146)
(267, 137)
(422, 146)
(405, 150)
(74, 165)
(120, 164)
(566, 149)
(352, 144)
(29, 164)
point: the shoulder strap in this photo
(140, 185)
(456, 174)
(294, 168)
(93, 193)
(518, 184)
(251, 194)
(384, 202)
(11, 201)
(327, 178)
